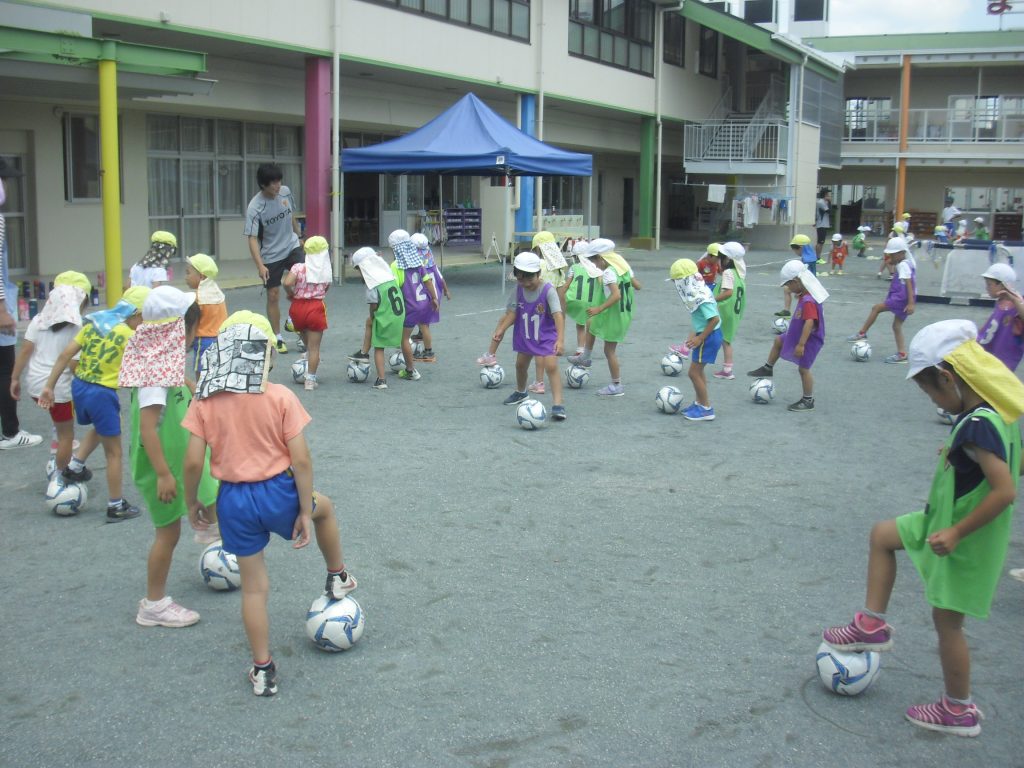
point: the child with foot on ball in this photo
(257, 450)
(153, 368)
(705, 340)
(387, 312)
(535, 315)
(900, 300)
(580, 292)
(307, 284)
(732, 300)
(806, 335)
(959, 542)
(418, 292)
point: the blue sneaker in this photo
(515, 397)
(558, 412)
(697, 412)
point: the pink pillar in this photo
(318, 146)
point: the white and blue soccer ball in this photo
(762, 391)
(491, 376)
(299, 368)
(669, 400)
(860, 351)
(335, 625)
(847, 673)
(219, 568)
(396, 361)
(576, 376)
(531, 414)
(671, 364)
(357, 372)
(51, 469)
(417, 348)
(945, 416)
(65, 498)
(780, 325)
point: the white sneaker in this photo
(21, 440)
(165, 613)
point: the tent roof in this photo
(468, 139)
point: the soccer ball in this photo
(65, 498)
(847, 673)
(945, 416)
(762, 391)
(219, 569)
(299, 368)
(531, 414)
(669, 400)
(417, 349)
(51, 469)
(576, 376)
(491, 376)
(860, 351)
(396, 361)
(671, 364)
(335, 625)
(357, 372)
(781, 325)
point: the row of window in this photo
(767, 11)
(510, 18)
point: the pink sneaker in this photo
(487, 359)
(537, 388)
(680, 349)
(946, 717)
(724, 375)
(853, 637)
(165, 613)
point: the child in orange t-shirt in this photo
(200, 272)
(708, 266)
(258, 452)
(840, 250)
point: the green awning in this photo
(756, 37)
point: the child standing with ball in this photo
(535, 315)
(387, 312)
(307, 284)
(253, 428)
(959, 542)
(706, 339)
(580, 292)
(806, 335)
(153, 368)
(731, 296)
(900, 300)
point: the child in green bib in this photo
(730, 293)
(958, 543)
(386, 321)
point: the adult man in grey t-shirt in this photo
(822, 219)
(273, 235)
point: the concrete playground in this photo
(625, 588)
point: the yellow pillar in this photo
(110, 181)
(901, 164)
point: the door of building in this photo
(627, 207)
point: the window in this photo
(759, 11)
(509, 18)
(810, 10)
(616, 32)
(708, 54)
(82, 158)
(723, 7)
(869, 118)
(14, 217)
(202, 170)
(674, 40)
(563, 194)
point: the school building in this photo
(705, 120)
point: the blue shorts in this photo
(199, 346)
(708, 351)
(98, 406)
(249, 512)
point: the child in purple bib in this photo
(1003, 333)
(900, 300)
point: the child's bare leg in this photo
(727, 355)
(89, 442)
(312, 340)
(328, 535)
(368, 337)
(612, 357)
(159, 563)
(407, 349)
(304, 336)
(581, 337)
(255, 588)
(112, 450)
(379, 362)
(954, 652)
(539, 369)
(882, 547)
(550, 364)
(787, 298)
(872, 316)
(775, 351)
(807, 381)
(700, 383)
(428, 337)
(65, 442)
(522, 371)
(897, 332)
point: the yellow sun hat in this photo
(136, 296)
(800, 240)
(204, 265)
(316, 244)
(542, 237)
(245, 317)
(164, 237)
(74, 279)
(682, 268)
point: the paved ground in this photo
(622, 589)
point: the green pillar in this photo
(646, 183)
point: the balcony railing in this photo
(735, 141)
(939, 126)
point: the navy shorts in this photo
(249, 512)
(707, 352)
(276, 269)
(97, 406)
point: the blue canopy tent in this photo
(467, 139)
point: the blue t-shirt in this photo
(967, 472)
(703, 314)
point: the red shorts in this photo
(61, 412)
(308, 314)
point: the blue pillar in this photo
(527, 202)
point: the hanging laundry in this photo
(716, 193)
